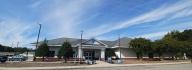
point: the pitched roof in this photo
(94, 41)
(124, 42)
(109, 43)
(60, 41)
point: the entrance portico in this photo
(92, 50)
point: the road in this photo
(143, 67)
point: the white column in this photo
(79, 52)
(103, 54)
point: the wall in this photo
(54, 48)
(130, 53)
(125, 53)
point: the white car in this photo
(17, 58)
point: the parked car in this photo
(17, 58)
(3, 58)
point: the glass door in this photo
(89, 55)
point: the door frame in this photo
(89, 55)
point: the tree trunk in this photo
(43, 58)
(172, 57)
(65, 60)
(161, 58)
(191, 60)
(34, 58)
(141, 58)
(58, 58)
(137, 54)
(150, 55)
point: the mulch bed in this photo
(151, 61)
(37, 64)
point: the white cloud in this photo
(182, 13)
(35, 4)
(160, 13)
(152, 35)
(179, 26)
(58, 19)
(62, 19)
(13, 30)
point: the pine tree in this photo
(42, 50)
(65, 51)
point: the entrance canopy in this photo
(93, 44)
(92, 49)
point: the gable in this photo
(93, 42)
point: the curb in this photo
(91, 66)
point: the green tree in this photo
(186, 35)
(42, 50)
(66, 51)
(2, 48)
(149, 49)
(20, 49)
(159, 48)
(186, 38)
(109, 52)
(188, 50)
(173, 45)
(140, 46)
(6, 48)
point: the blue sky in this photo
(101, 19)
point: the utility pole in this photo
(12, 45)
(81, 46)
(37, 40)
(38, 36)
(17, 44)
(17, 48)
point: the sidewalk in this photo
(99, 65)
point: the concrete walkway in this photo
(98, 65)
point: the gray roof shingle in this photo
(124, 42)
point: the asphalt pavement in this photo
(142, 67)
(106, 66)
